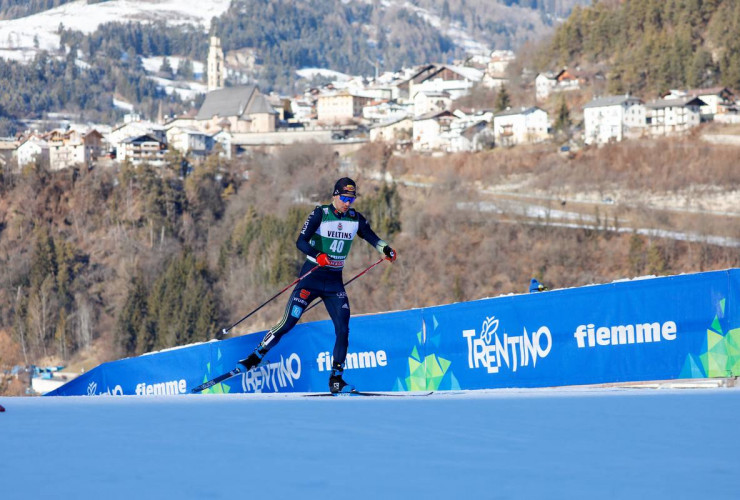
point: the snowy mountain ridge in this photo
(21, 39)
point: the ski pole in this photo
(347, 283)
(225, 331)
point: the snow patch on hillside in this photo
(118, 103)
(311, 73)
(19, 37)
(152, 64)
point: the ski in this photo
(362, 393)
(236, 371)
(217, 380)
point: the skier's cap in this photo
(345, 187)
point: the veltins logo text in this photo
(492, 351)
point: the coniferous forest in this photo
(14, 9)
(653, 45)
(51, 83)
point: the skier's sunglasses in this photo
(347, 199)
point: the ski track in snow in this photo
(535, 443)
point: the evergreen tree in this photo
(656, 261)
(181, 304)
(636, 255)
(563, 121)
(503, 100)
(166, 68)
(43, 262)
(185, 69)
(66, 267)
(132, 318)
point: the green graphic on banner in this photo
(431, 373)
(218, 388)
(720, 354)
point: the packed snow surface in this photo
(541, 443)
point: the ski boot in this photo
(337, 385)
(251, 361)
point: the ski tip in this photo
(2, 409)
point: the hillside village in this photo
(413, 109)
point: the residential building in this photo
(475, 136)
(395, 130)
(340, 107)
(303, 110)
(281, 105)
(241, 109)
(495, 75)
(223, 143)
(544, 83)
(499, 62)
(32, 149)
(430, 101)
(427, 130)
(717, 99)
(385, 111)
(521, 126)
(613, 118)
(133, 128)
(455, 80)
(670, 116)
(143, 149)
(189, 141)
(69, 148)
(549, 82)
(8, 145)
(184, 121)
(378, 92)
(419, 74)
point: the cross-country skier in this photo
(326, 238)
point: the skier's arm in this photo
(309, 228)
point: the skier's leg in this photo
(299, 300)
(337, 304)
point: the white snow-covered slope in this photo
(18, 36)
(572, 443)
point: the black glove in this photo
(390, 254)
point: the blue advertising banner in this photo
(684, 326)
(652, 329)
